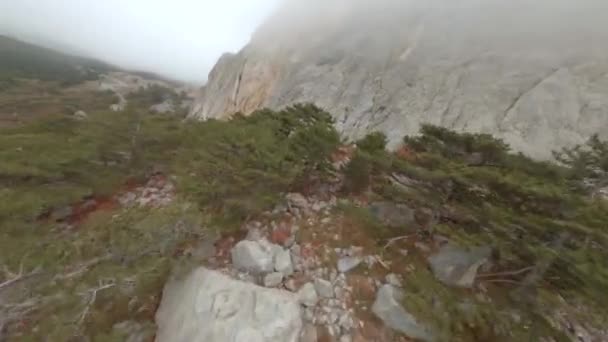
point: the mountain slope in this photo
(532, 73)
(22, 60)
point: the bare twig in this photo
(393, 240)
(83, 267)
(17, 277)
(508, 281)
(92, 293)
(506, 273)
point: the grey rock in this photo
(457, 266)
(394, 280)
(273, 279)
(297, 200)
(393, 214)
(387, 307)
(283, 263)
(251, 256)
(209, 306)
(348, 263)
(81, 115)
(164, 107)
(429, 62)
(324, 288)
(307, 295)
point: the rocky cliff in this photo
(532, 72)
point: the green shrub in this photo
(373, 142)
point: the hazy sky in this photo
(177, 38)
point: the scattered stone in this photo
(455, 266)
(324, 288)
(163, 107)
(348, 263)
(81, 115)
(387, 307)
(392, 214)
(297, 200)
(291, 285)
(394, 280)
(252, 257)
(370, 261)
(282, 263)
(307, 295)
(209, 306)
(273, 279)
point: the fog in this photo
(183, 39)
(180, 39)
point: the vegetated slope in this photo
(23, 60)
(394, 65)
(71, 273)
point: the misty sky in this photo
(177, 38)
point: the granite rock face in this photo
(534, 73)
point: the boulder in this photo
(253, 257)
(348, 263)
(212, 307)
(393, 214)
(282, 262)
(273, 279)
(307, 295)
(387, 307)
(455, 266)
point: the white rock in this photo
(273, 279)
(251, 256)
(324, 288)
(348, 263)
(282, 263)
(209, 306)
(307, 295)
(394, 280)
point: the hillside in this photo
(36, 82)
(533, 73)
(22, 60)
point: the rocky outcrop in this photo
(532, 72)
(212, 307)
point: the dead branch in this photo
(14, 278)
(507, 281)
(393, 240)
(506, 273)
(83, 267)
(92, 294)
